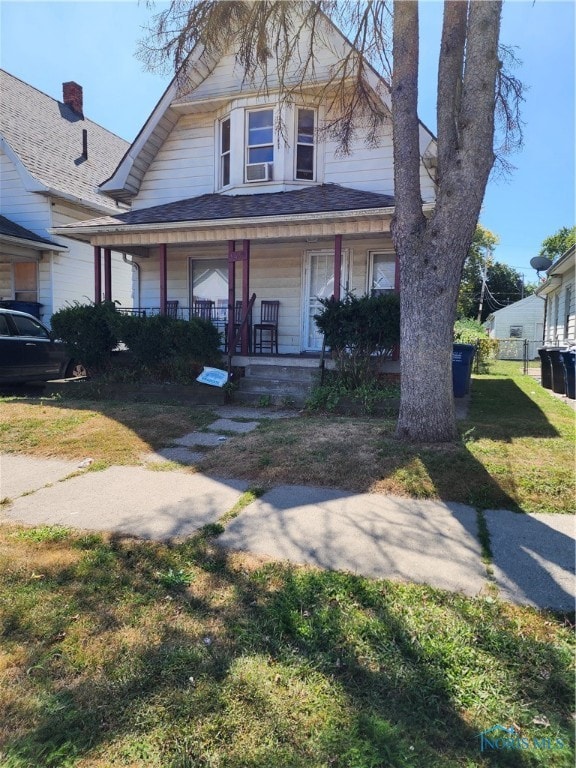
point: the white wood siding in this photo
(73, 271)
(28, 209)
(561, 326)
(184, 166)
(528, 313)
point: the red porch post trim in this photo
(231, 293)
(245, 293)
(107, 274)
(337, 266)
(97, 274)
(163, 278)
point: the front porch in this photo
(205, 256)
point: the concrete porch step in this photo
(282, 372)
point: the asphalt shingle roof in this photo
(46, 135)
(11, 229)
(324, 198)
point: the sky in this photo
(94, 41)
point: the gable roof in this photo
(12, 232)
(521, 304)
(46, 137)
(320, 199)
(124, 183)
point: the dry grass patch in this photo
(112, 433)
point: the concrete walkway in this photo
(369, 534)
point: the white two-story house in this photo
(235, 191)
(52, 159)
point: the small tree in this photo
(360, 331)
(557, 244)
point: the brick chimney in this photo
(72, 96)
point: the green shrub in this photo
(468, 331)
(157, 340)
(360, 331)
(160, 347)
(88, 331)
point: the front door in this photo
(319, 284)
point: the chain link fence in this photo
(518, 349)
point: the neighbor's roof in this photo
(46, 136)
(9, 230)
(324, 198)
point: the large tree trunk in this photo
(432, 253)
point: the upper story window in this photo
(305, 144)
(259, 145)
(225, 152)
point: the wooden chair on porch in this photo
(172, 309)
(203, 308)
(266, 331)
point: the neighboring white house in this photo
(234, 192)
(558, 290)
(52, 160)
(522, 320)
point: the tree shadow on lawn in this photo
(304, 669)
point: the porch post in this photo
(337, 266)
(245, 292)
(107, 274)
(163, 279)
(97, 274)
(231, 293)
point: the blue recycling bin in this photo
(569, 362)
(31, 307)
(462, 357)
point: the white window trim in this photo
(248, 111)
(370, 270)
(220, 169)
(314, 178)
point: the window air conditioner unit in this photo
(259, 172)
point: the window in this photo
(382, 272)
(567, 303)
(556, 317)
(28, 327)
(515, 331)
(25, 281)
(305, 145)
(225, 152)
(259, 142)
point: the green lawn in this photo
(124, 653)
(117, 652)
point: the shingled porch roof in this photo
(319, 199)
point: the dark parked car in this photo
(29, 353)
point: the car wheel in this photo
(75, 370)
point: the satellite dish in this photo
(540, 263)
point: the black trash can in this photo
(545, 368)
(569, 362)
(31, 307)
(462, 357)
(557, 366)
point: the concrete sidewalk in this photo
(369, 534)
